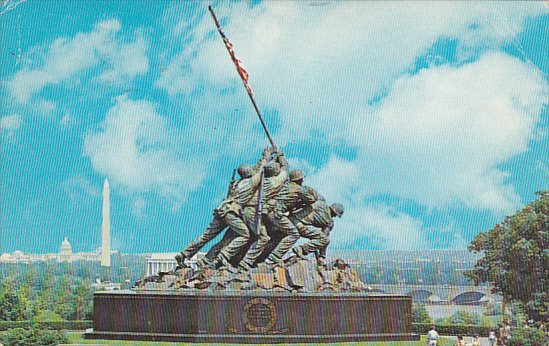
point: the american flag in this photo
(238, 64)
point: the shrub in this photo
(48, 316)
(460, 317)
(34, 336)
(15, 337)
(493, 309)
(422, 328)
(420, 314)
(528, 337)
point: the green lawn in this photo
(77, 339)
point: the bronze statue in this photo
(230, 214)
(292, 198)
(276, 177)
(320, 217)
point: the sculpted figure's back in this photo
(320, 217)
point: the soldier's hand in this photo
(267, 152)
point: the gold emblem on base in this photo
(259, 315)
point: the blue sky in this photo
(427, 120)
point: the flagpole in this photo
(246, 85)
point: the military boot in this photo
(180, 259)
(222, 264)
(298, 251)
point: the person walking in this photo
(492, 338)
(432, 337)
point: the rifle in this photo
(259, 210)
(231, 183)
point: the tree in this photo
(528, 336)
(48, 316)
(460, 318)
(516, 258)
(420, 314)
(81, 299)
(12, 308)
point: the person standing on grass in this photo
(492, 338)
(432, 337)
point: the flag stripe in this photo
(238, 64)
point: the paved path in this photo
(469, 339)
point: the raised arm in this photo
(267, 153)
(282, 161)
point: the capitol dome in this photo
(66, 248)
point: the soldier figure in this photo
(229, 214)
(276, 177)
(320, 217)
(292, 198)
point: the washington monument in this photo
(106, 227)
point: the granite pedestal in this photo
(251, 316)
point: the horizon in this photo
(330, 252)
(427, 121)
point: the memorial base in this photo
(251, 316)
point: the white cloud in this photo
(440, 135)
(316, 65)
(66, 58)
(139, 206)
(67, 120)
(380, 227)
(138, 150)
(9, 124)
(339, 181)
(301, 164)
(127, 62)
(543, 167)
(80, 190)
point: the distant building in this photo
(65, 252)
(106, 285)
(65, 255)
(163, 262)
(15, 257)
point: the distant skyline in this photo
(428, 120)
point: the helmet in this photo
(296, 175)
(272, 169)
(245, 170)
(337, 208)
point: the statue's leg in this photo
(256, 249)
(291, 236)
(322, 250)
(216, 249)
(242, 236)
(275, 238)
(317, 239)
(215, 227)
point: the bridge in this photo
(440, 293)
